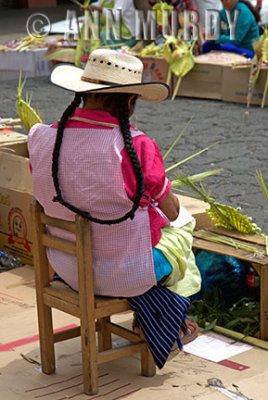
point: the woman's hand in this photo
(170, 206)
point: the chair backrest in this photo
(81, 249)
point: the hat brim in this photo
(68, 77)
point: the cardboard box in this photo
(31, 63)
(203, 81)
(155, 69)
(7, 137)
(198, 210)
(235, 85)
(15, 198)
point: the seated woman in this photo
(94, 163)
(246, 30)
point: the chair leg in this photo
(147, 362)
(46, 339)
(104, 335)
(89, 359)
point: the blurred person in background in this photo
(246, 29)
(203, 5)
(128, 27)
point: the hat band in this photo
(86, 79)
(97, 81)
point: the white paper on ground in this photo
(214, 347)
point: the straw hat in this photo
(108, 71)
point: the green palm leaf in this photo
(25, 111)
(262, 184)
(190, 157)
(224, 216)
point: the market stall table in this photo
(258, 261)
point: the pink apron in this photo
(91, 178)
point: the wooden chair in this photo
(94, 312)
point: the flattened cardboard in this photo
(183, 377)
(235, 86)
(15, 198)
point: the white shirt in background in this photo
(264, 11)
(203, 5)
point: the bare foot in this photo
(191, 333)
(192, 330)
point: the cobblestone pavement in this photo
(242, 137)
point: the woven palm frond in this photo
(80, 47)
(151, 50)
(253, 77)
(231, 218)
(86, 42)
(26, 113)
(260, 44)
(181, 64)
(224, 216)
(170, 45)
(174, 47)
(265, 50)
(261, 54)
(162, 11)
(265, 60)
(82, 42)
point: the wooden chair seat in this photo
(93, 311)
(61, 292)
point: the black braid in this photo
(56, 152)
(125, 129)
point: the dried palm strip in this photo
(229, 242)
(9, 120)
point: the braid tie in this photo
(125, 129)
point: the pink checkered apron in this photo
(91, 178)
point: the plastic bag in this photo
(224, 272)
